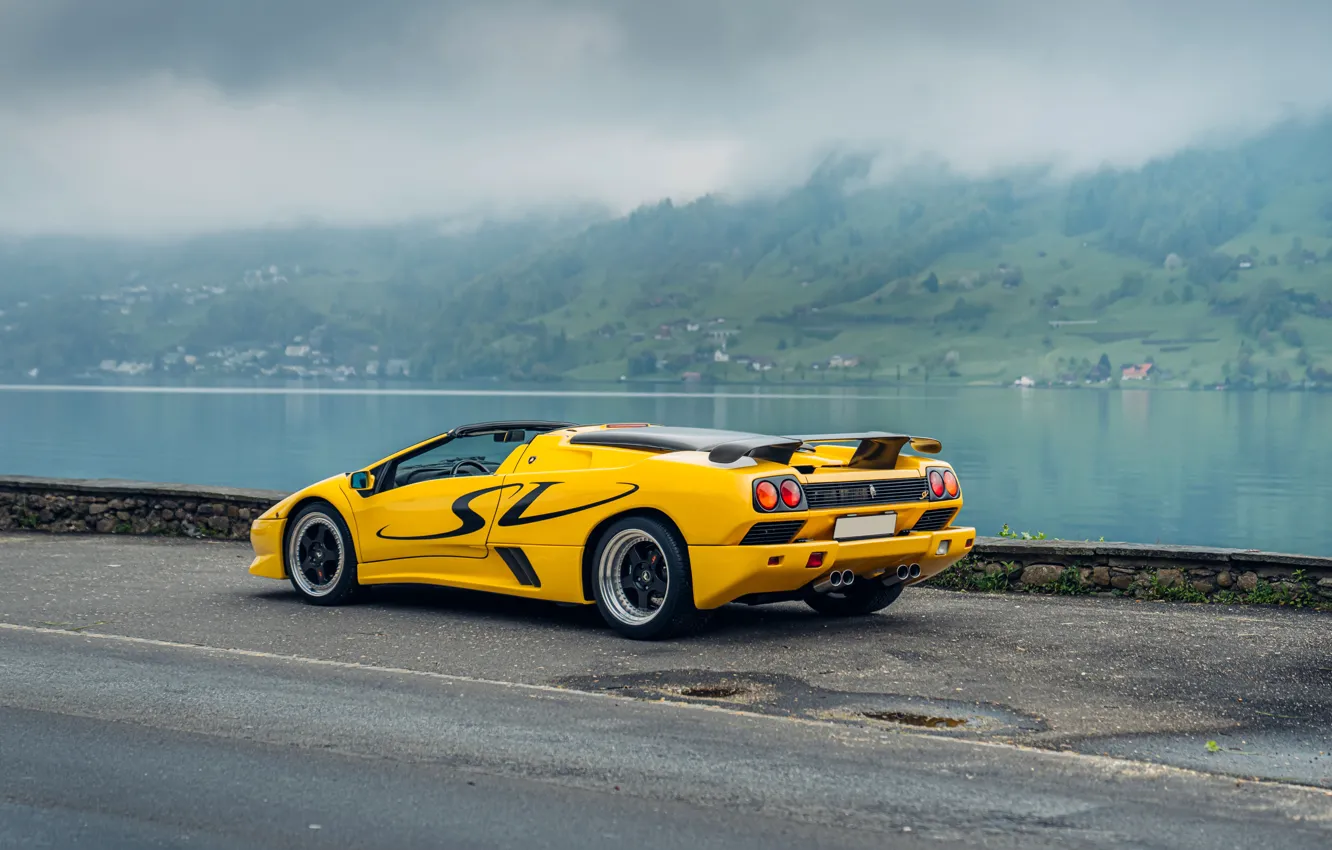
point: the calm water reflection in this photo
(1226, 469)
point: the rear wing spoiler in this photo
(876, 449)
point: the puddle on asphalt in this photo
(713, 692)
(907, 718)
(787, 695)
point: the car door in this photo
(437, 502)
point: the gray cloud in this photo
(159, 116)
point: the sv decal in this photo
(515, 515)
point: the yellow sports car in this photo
(652, 524)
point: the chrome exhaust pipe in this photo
(848, 578)
(832, 581)
(915, 570)
(892, 577)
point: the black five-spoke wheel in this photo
(642, 580)
(319, 555)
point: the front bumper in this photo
(266, 540)
(722, 574)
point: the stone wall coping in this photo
(138, 489)
(1028, 551)
(1060, 550)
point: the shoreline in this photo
(997, 564)
(574, 387)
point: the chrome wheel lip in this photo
(294, 560)
(612, 569)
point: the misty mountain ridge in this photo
(1214, 265)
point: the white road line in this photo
(1136, 769)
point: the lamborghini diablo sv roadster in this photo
(652, 524)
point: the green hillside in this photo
(1213, 265)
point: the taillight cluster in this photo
(778, 494)
(943, 484)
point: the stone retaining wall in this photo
(1186, 573)
(130, 507)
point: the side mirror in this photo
(362, 481)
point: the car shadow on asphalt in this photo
(731, 622)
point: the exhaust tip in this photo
(848, 578)
(835, 579)
(915, 570)
(903, 572)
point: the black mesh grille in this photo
(935, 519)
(769, 533)
(845, 494)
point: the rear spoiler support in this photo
(876, 449)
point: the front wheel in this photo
(861, 598)
(319, 556)
(643, 585)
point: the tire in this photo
(864, 597)
(641, 580)
(318, 536)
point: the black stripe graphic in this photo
(514, 515)
(461, 507)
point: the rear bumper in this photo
(266, 540)
(722, 574)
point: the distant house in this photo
(691, 327)
(1137, 372)
(761, 364)
(838, 361)
(397, 368)
(1024, 381)
(297, 351)
(720, 356)
(1245, 261)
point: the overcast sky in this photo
(177, 116)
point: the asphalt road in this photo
(153, 694)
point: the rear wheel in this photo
(861, 598)
(319, 556)
(643, 585)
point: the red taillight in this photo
(766, 494)
(815, 560)
(790, 493)
(936, 484)
(950, 482)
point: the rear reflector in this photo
(815, 559)
(774, 560)
(943, 547)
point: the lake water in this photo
(1251, 470)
